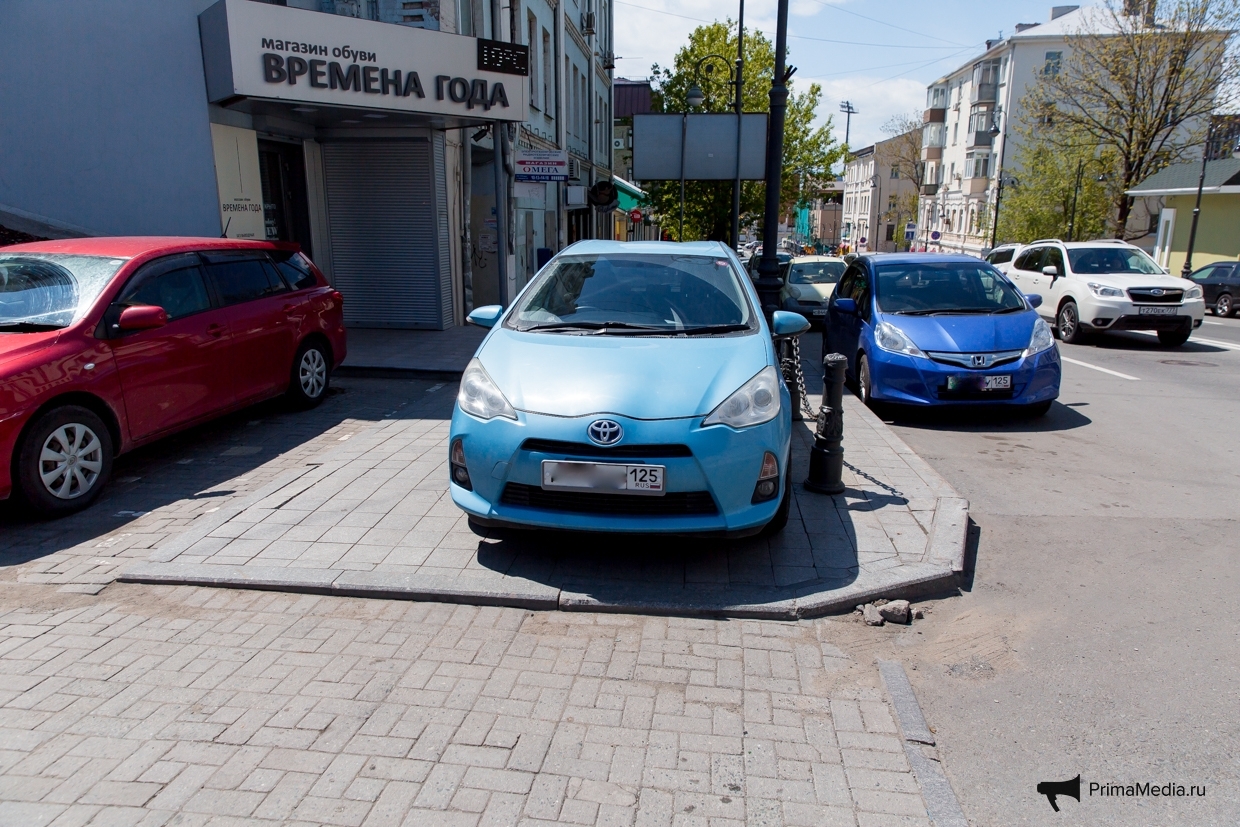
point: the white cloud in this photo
(876, 100)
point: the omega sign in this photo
(267, 52)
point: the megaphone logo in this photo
(1051, 789)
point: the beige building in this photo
(880, 195)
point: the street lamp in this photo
(995, 132)
(695, 97)
(1076, 193)
(1201, 182)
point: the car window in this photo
(642, 291)
(1099, 260)
(50, 289)
(243, 280)
(1029, 260)
(1052, 258)
(926, 288)
(1001, 256)
(1210, 271)
(847, 284)
(181, 292)
(296, 271)
(816, 272)
(861, 292)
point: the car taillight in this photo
(338, 296)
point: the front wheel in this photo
(1069, 323)
(64, 460)
(311, 374)
(1174, 338)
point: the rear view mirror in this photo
(1034, 299)
(485, 316)
(846, 305)
(1050, 270)
(142, 317)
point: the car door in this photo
(1026, 271)
(1052, 288)
(844, 329)
(171, 375)
(258, 309)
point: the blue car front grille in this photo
(672, 504)
(586, 449)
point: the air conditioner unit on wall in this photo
(574, 169)
(587, 23)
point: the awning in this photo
(630, 195)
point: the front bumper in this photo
(722, 462)
(1122, 314)
(10, 427)
(815, 312)
(918, 380)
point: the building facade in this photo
(879, 197)
(361, 129)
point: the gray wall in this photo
(103, 118)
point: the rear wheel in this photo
(64, 460)
(1223, 306)
(311, 374)
(1174, 338)
(1069, 323)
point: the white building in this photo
(877, 197)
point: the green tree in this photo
(1040, 204)
(809, 152)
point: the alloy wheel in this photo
(1223, 306)
(312, 373)
(70, 461)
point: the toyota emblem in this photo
(604, 432)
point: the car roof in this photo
(135, 246)
(798, 259)
(665, 248)
(1097, 243)
(920, 258)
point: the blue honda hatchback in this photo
(630, 387)
(927, 329)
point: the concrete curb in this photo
(949, 533)
(941, 803)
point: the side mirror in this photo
(846, 305)
(785, 323)
(142, 317)
(1034, 299)
(485, 316)
(1050, 270)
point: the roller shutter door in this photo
(383, 206)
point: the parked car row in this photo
(107, 344)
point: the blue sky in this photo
(892, 48)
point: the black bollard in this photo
(826, 458)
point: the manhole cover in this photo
(1189, 364)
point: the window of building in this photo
(936, 97)
(1054, 61)
(548, 99)
(955, 132)
(934, 134)
(895, 172)
(977, 165)
(980, 118)
(532, 42)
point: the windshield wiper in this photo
(28, 327)
(598, 326)
(710, 328)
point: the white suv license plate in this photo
(1157, 311)
(604, 477)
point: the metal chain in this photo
(791, 367)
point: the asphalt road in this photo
(1100, 635)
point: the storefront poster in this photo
(238, 181)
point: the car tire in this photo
(864, 382)
(1038, 409)
(310, 375)
(1068, 321)
(1223, 306)
(1174, 338)
(780, 520)
(57, 485)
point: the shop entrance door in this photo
(286, 210)
(578, 225)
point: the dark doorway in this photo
(286, 210)
(578, 225)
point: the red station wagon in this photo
(109, 343)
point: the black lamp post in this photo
(1076, 193)
(1201, 182)
(695, 97)
(769, 283)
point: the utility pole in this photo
(768, 268)
(849, 110)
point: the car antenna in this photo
(226, 223)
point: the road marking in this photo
(1220, 324)
(1104, 370)
(1216, 343)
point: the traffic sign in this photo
(635, 215)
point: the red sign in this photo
(635, 215)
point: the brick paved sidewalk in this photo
(154, 705)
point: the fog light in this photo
(1101, 322)
(768, 479)
(456, 464)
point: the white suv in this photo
(1106, 285)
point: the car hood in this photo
(1126, 280)
(642, 377)
(967, 334)
(15, 346)
(813, 291)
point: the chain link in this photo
(791, 367)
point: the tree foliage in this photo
(809, 151)
(1040, 204)
(1137, 89)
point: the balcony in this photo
(929, 189)
(931, 153)
(977, 139)
(975, 186)
(983, 92)
(935, 116)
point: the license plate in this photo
(603, 476)
(819, 312)
(1157, 311)
(985, 383)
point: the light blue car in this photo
(630, 387)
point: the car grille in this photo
(1155, 295)
(586, 449)
(672, 504)
(965, 360)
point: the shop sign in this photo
(541, 164)
(259, 50)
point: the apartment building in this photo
(880, 194)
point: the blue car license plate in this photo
(995, 382)
(603, 476)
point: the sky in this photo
(878, 54)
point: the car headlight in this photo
(755, 402)
(1042, 338)
(889, 337)
(1102, 291)
(481, 397)
(1193, 293)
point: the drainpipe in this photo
(501, 180)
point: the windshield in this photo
(49, 291)
(626, 293)
(929, 288)
(1090, 261)
(816, 272)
